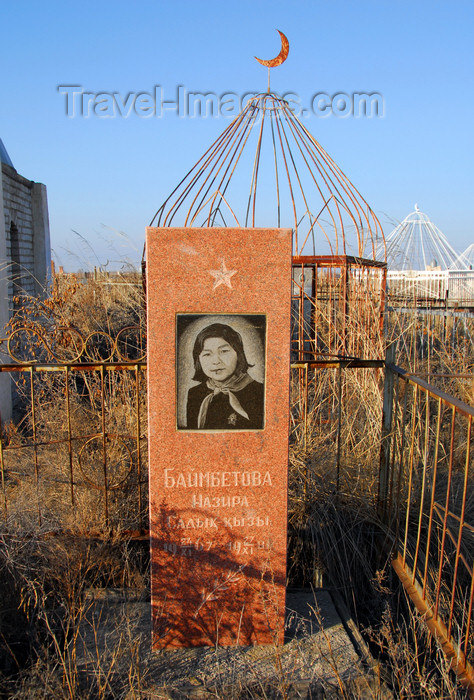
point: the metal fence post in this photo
(386, 436)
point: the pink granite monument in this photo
(218, 305)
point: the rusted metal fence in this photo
(75, 457)
(427, 500)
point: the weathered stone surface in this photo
(316, 661)
(218, 490)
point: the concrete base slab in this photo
(317, 660)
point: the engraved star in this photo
(222, 276)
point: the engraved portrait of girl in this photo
(224, 394)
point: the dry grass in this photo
(61, 481)
(85, 304)
(436, 347)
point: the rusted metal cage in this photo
(338, 308)
(266, 169)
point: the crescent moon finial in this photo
(282, 56)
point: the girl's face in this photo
(218, 359)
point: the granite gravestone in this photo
(218, 306)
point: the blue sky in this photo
(107, 177)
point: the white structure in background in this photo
(422, 264)
(465, 261)
(25, 249)
(417, 244)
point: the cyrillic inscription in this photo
(174, 522)
(222, 479)
(200, 501)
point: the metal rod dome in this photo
(266, 169)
